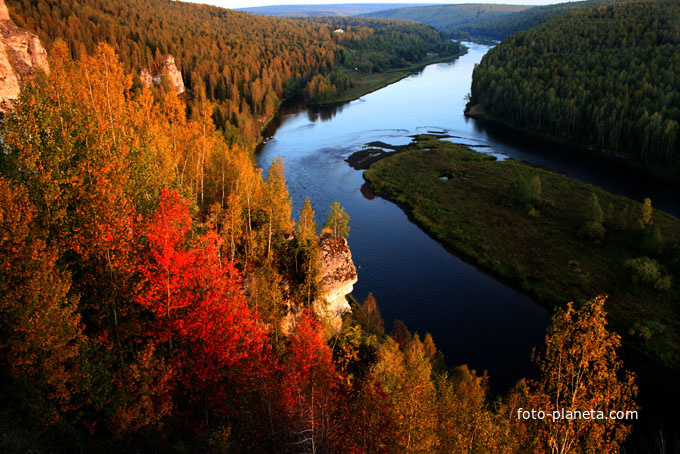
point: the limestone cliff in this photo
(21, 55)
(338, 276)
(168, 66)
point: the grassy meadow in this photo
(554, 245)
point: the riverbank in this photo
(365, 83)
(670, 176)
(461, 197)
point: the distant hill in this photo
(483, 20)
(501, 26)
(448, 17)
(341, 9)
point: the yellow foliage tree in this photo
(580, 375)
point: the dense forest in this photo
(602, 78)
(500, 27)
(391, 44)
(149, 273)
(131, 321)
(484, 21)
(335, 9)
(449, 17)
(244, 64)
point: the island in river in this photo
(555, 237)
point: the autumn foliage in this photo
(147, 270)
(200, 313)
(580, 372)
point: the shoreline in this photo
(671, 176)
(397, 75)
(477, 253)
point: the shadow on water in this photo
(611, 174)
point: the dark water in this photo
(474, 318)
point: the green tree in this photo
(594, 210)
(305, 231)
(593, 228)
(277, 201)
(308, 252)
(337, 221)
(519, 191)
(646, 212)
(535, 190)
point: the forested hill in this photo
(339, 9)
(243, 63)
(500, 27)
(156, 293)
(604, 78)
(448, 17)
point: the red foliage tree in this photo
(213, 339)
(312, 397)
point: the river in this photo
(474, 318)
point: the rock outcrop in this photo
(338, 276)
(168, 66)
(21, 55)
(146, 77)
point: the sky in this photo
(248, 3)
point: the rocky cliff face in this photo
(338, 276)
(21, 55)
(168, 65)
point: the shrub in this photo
(663, 283)
(647, 271)
(646, 329)
(519, 191)
(643, 270)
(593, 230)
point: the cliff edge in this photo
(21, 56)
(338, 276)
(167, 66)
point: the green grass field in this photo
(461, 197)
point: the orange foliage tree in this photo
(580, 372)
(40, 326)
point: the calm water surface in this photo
(474, 318)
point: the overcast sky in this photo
(247, 3)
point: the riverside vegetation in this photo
(146, 268)
(556, 238)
